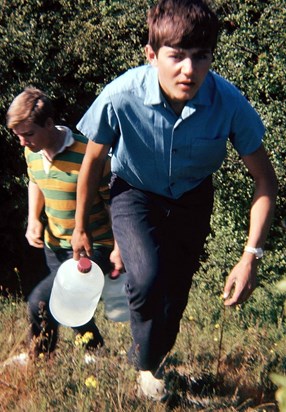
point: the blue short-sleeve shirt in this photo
(156, 150)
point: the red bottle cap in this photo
(84, 265)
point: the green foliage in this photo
(71, 49)
(252, 55)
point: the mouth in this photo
(186, 85)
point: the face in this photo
(181, 72)
(32, 135)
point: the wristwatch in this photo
(257, 251)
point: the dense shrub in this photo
(252, 56)
(70, 49)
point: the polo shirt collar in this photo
(68, 141)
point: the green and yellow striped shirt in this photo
(58, 186)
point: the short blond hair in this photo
(32, 104)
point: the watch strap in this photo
(257, 251)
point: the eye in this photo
(177, 56)
(202, 56)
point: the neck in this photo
(177, 106)
(56, 142)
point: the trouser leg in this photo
(44, 328)
(160, 242)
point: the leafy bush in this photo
(71, 49)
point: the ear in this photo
(150, 55)
(49, 123)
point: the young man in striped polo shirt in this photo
(54, 155)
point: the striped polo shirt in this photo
(58, 184)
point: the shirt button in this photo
(174, 151)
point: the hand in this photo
(243, 279)
(34, 233)
(115, 258)
(80, 242)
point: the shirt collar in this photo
(68, 141)
(154, 94)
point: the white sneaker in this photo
(151, 387)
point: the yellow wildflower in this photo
(91, 382)
(78, 341)
(88, 336)
(81, 340)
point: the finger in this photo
(237, 298)
(88, 251)
(76, 254)
(39, 242)
(115, 273)
(35, 242)
(227, 289)
(38, 245)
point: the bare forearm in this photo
(87, 188)
(35, 228)
(36, 201)
(243, 276)
(261, 214)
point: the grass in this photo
(221, 362)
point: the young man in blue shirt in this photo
(168, 124)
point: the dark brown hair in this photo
(182, 23)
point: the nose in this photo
(23, 141)
(188, 66)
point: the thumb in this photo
(228, 288)
(226, 294)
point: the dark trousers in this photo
(161, 241)
(44, 328)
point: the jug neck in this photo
(84, 265)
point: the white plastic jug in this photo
(76, 291)
(114, 298)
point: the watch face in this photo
(259, 253)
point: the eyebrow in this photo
(197, 49)
(23, 133)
